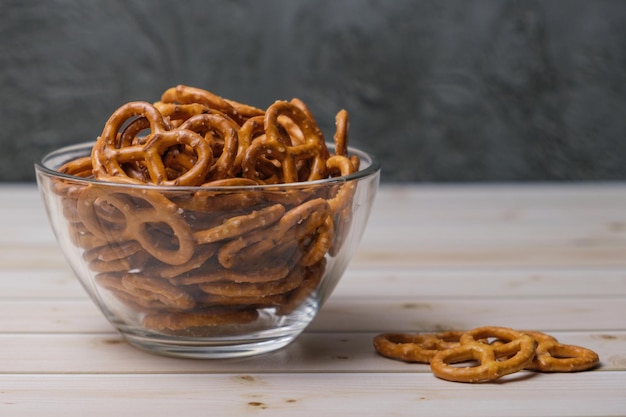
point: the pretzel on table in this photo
(499, 351)
(552, 356)
(417, 347)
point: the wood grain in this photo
(547, 257)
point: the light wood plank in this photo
(397, 281)
(371, 394)
(415, 313)
(388, 281)
(542, 256)
(362, 314)
(29, 283)
(331, 353)
(457, 225)
(14, 255)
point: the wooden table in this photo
(546, 257)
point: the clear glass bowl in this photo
(207, 272)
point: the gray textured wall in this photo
(440, 90)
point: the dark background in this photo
(444, 90)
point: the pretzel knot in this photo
(119, 159)
(303, 152)
(552, 356)
(142, 216)
(518, 352)
(309, 224)
(182, 258)
(216, 128)
(190, 95)
(415, 347)
(341, 202)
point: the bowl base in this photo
(268, 333)
(203, 349)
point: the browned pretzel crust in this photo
(207, 257)
(499, 351)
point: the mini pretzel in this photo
(122, 264)
(313, 276)
(313, 147)
(341, 133)
(239, 225)
(139, 210)
(199, 258)
(341, 203)
(268, 273)
(518, 351)
(302, 106)
(239, 302)
(552, 356)
(250, 130)
(254, 164)
(109, 156)
(109, 252)
(69, 190)
(189, 320)
(181, 112)
(159, 289)
(273, 145)
(207, 124)
(232, 289)
(137, 300)
(209, 201)
(205, 247)
(288, 224)
(80, 167)
(188, 95)
(415, 347)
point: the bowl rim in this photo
(372, 168)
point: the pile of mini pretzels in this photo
(485, 353)
(184, 258)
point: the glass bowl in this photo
(207, 272)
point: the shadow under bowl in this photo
(207, 272)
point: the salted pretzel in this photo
(138, 211)
(205, 257)
(178, 113)
(250, 130)
(109, 156)
(267, 273)
(256, 289)
(552, 356)
(213, 124)
(274, 144)
(80, 167)
(518, 352)
(189, 95)
(415, 347)
(179, 321)
(341, 133)
(312, 277)
(303, 220)
(341, 202)
(239, 225)
(499, 351)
